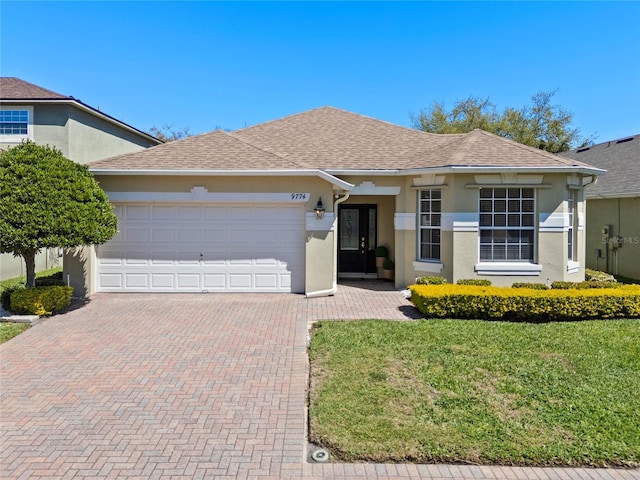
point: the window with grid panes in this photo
(14, 122)
(571, 233)
(507, 227)
(429, 208)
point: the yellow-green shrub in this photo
(466, 301)
(41, 300)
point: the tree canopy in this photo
(541, 124)
(168, 133)
(49, 201)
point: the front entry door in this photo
(358, 231)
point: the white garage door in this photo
(196, 248)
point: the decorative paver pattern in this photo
(187, 386)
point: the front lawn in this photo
(9, 330)
(477, 392)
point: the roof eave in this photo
(338, 183)
(86, 108)
(471, 169)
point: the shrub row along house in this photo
(81, 132)
(294, 204)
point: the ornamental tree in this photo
(541, 124)
(48, 201)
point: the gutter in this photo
(87, 108)
(471, 169)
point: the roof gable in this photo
(217, 150)
(335, 141)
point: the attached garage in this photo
(213, 247)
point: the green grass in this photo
(477, 392)
(21, 280)
(10, 330)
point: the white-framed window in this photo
(507, 224)
(16, 123)
(429, 224)
(572, 232)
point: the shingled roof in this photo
(620, 158)
(13, 88)
(334, 141)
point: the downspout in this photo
(334, 287)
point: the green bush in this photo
(381, 251)
(388, 264)
(535, 286)
(598, 276)
(5, 296)
(431, 280)
(584, 285)
(474, 281)
(49, 280)
(41, 300)
(496, 303)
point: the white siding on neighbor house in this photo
(204, 247)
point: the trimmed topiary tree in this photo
(48, 201)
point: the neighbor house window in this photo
(507, 228)
(14, 122)
(572, 231)
(429, 208)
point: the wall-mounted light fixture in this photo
(319, 210)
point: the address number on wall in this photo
(300, 196)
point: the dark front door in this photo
(357, 234)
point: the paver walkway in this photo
(188, 386)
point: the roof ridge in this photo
(230, 134)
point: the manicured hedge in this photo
(504, 303)
(585, 284)
(40, 300)
(431, 280)
(474, 281)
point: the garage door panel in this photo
(189, 236)
(188, 213)
(164, 281)
(111, 280)
(136, 212)
(162, 212)
(239, 248)
(136, 280)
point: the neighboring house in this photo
(81, 132)
(613, 206)
(291, 205)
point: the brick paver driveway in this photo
(186, 386)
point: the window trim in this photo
(484, 263)
(420, 227)
(18, 137)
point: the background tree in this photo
(49, 201)
(168, 133)
(540, 124)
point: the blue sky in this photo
(204, 65)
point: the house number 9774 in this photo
(298, 196)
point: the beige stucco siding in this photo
(319, 241)
(460, 230)
(623, 215)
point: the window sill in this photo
(573, 267)
(428, 267)
(508, 268)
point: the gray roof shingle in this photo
(331, 139)
(13, 88)
(620, 158)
